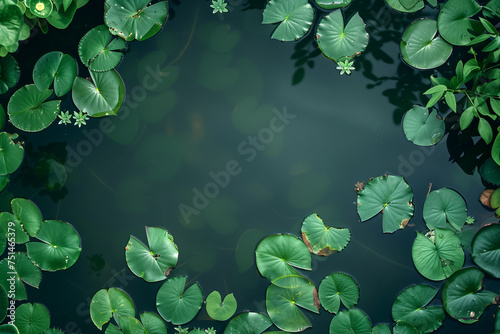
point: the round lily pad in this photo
(8, 329)
(153, 323)
(404, 327)
(437, 256)
(55, 67)
(9, 73)
(490, 172)
(423, 128)
(220, 310)
(336, 41)
(248, 323)
(381, 329)
(177, 305)
(28, 214)
(442, 206)
(454, 22)
(322, 239)
(332, 4)
(99, 50)
(32, 318)
(11, 154)
(112, 302)
(486, 249)
(295, 17)
(336, 288)
(351, 321)
(6, 220)
(41, 8)
(390, 195)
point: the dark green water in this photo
(223, 104)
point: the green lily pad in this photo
(454, 22)
(135, 19)
(322, 239)
(381, 329)
(411, 305)
(4, 304)
(248, 323)
(422, 48)
(32, 318)
(59, 249)
(439, 256)
(112, 329)
(8, 329)
(130, 325)
(351, 321)
(336, 288)
(7, 220)
(176, 305)
(99, 51)
(11, 154)
(41, 8)
(442, 206)
(10, 278)
(423, 128)
(112, 302)
(55, 67)
(26, 270)
(28, 110)
(463, 297)
(152, 264)
(284, 299)
(486, 249)
(277, 254)
(153, 323)
(332, 4)
(404, 327)
(490, 171)
(405, 6)
(220, 310)
(295, 17)
(103, 97)
(9, 73)
(11, 23)
(27, 214)
(62, 15)
(391, 195)
(336, 41)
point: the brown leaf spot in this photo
(167, 272)
(404, 223)
(485, 197)
(326, 251)
(316, 298)
(306, 241)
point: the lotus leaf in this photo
(322, 239)
(9, 73)
(55, 67)
(220, 310)
(295, 17)
(176, 305)
(423, 128)
(112, 302)
(11, 154)
(336, 288)
(351, 321)
(99, 51)
(27, 214)
(442, 206)
(454, 22)
(391, 195)
(248, 323)
(32, 318)
(486, 249)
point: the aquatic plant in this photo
(219, 6)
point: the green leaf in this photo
(152, 264)
(176, 305)
(220, 310)
(351, 321)
(295, 17)
(112, 302)
(495, 105)
(444, 205)
(488, 26)
(336, 41)
(9, 279)
(130, 325)
(11, 22)
(6, 221)
(466, 118)
(485, 130)
(8, 329)
(333, 4)
(490, 169)
(449, 97)
(9, 73)
(422, 48)
(99, 51)
(381, 329)
(11, 154)
(322, 239)
(404, 327)
(28, 110)
(436, 89)
(486, 249)
(135, 19)
(60, 247)
(336, 288)
(276, 254)
(32, 318)
(27, 214)
(454, 22)
(423, 128)
(4, 304)
(25, 269)
(55, 67)
(391, 195)
(248, 323)
(463, 297)
(62, 17)
(153, 324)
(397, 5)
(411, 305)
(437, 255)
(41, 8)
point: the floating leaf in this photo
(439, 256)
(248, 323)
(112, 302)
(398, 5)
(333, 4)
(295, 17)
(8, 329)
(220, 310)
(391, 195)
(55, 67)
(336, 41)
(411, 305)
(153, 324)
(10, 281)
(404, 327)
(454, 22)
(9, 73)
(486, 249)
(463, 297)
(99, 51)
(59, 249)
(62, 15)
(445, 205)
(322, 239)
(422, 128)
(336, 288)
(6, 221)
(351, 321)
(4, 304)
(11, 22)
(381, 329)
(176, 305)
(490, 170)
(152, 264)
(11, 154)
(32, 318)
(27, 214)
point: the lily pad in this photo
(490, 171)
(112, 302)
(55, 67)
(153, 264)
(153, 323)
(442, 206)
(27, 214)
(390, 195)
(351, 321)
(277, 254)
(59, 249)
(486, 249)
(220, 310)
(11, 154)
(336, 288)
(336, 41)
(41, 8)
(404, 327)
(332, 4)
(381, 329)
(322, 239)
(283, 303)
(62, 15)
(20, 269)
(28, 110)
(176, 305)
(411, 305)
(295, 17)
(32, 318)
(8, 329)
(439, 256)
(423, 128)
(4, 304)
(135, 19)
(9, 73)
(454, 22)
(11, 22)
(405, 6)
(130, 325)
(99, 51)
(6, 221)
(103, 97)
(463, 297)
(248, 323)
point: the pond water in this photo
(267, 133)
